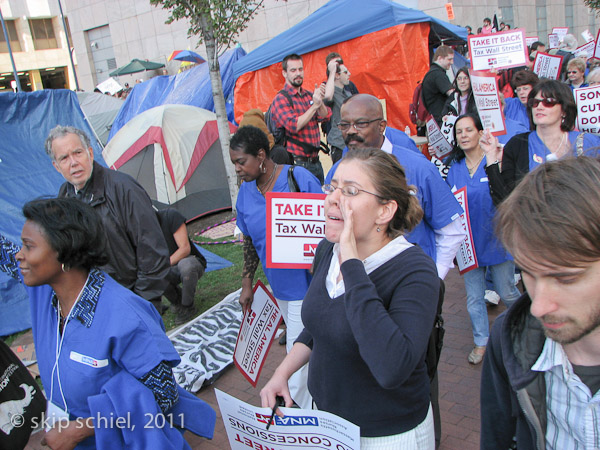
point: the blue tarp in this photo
(190, 87)
(339, 21)
(26, 172)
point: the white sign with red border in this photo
(586, 50)
(487, 99)
(561, 32)
(466, 257)
(530, 40)
(259, 324)
(587, 35)
(547, 66)
(437, 141)
(553, 40)
(597, 50)
(588, 108)
(246, 427)
(498, 50)
(295, 226)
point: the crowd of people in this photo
(97, 260)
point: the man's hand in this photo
(67, 437)
(318, 95)
(332, 66)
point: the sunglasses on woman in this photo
(547, 102)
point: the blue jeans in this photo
(503, 276)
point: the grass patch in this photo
(215, 286)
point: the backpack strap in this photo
(292, 184)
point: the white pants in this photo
(422, 437)
(298, 382)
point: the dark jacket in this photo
(435, 86)
(513, 397)
(452, 105)
(137, 251)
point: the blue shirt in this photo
(401, 139)
(251, 205)
(538, 152)
(440, 207)
(512, 128)
(515, 110)
(488, 249)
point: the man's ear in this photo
(56, 166)
(382, 126)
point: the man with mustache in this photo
(299, 111)
(541, 371)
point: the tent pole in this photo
(62, 16)
(12, 60)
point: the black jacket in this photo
(513, 397)
(137, 251)
(435, 86)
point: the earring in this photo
(378, 229)
(262, 167)
(64, 268)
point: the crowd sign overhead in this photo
(295, 226)
(561, 32)
(588, 109)
(487, 99)
(597, 49)
(553, 40)
(498, 50)
(259, 324)
(547, 66)
(436, 139)
(586, 50)
(246, 427)
(587, 35)
(530, 40)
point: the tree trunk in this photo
(220, 110)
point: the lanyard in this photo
(59, 344)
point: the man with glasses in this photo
(138, 254)
(299, 111)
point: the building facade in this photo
(107, 34)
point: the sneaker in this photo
(491, 297)
(185, 314)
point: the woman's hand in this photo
(276, 386)
(67, 437)
(347, 241)
(491, 147)
(246, 296)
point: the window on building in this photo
(43, 34)
(541, 22)
(569, 15)
(15, 45)
(508, 16)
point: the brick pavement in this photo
(458, 380)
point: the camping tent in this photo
(100, 110)
(191, 87)
(174, 152)
(26, 172)
(386, 47)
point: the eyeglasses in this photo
(572, 71)
(344, 71)
(344, 126)
(349, 190)
(547, 102)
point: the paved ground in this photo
(459, 381)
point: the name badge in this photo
(88, 360)
(483, 180)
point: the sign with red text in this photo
(588, 109)
(561, 32)
(295, 226)
(547, 66)
(597, 50)
(487, 99)
(259, 324)
(553, 40)
(437, 141)
(450, 11)
(498, 50)
(586, 50)
(246, 428)
(587, 36)
(466, 257)
(530, 40)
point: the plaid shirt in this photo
(287, 116)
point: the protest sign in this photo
(295, 226)
(587, 35)
(547, 66)
(466, 257)
(586, 50)
(487, 99)
(597, 49)
(561, 32)
(259, 324)
(246, 427)
(553, 41)
(530, 40)
(498, 50)
(450, 11)
(437, 141)
(588, 108)
(448, 128)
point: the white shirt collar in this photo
(387, 145)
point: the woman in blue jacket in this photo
(468, 170)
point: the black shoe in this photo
(283, 338)
(185, 314)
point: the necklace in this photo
(474, 167)
(262, 189)
(557, 152)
